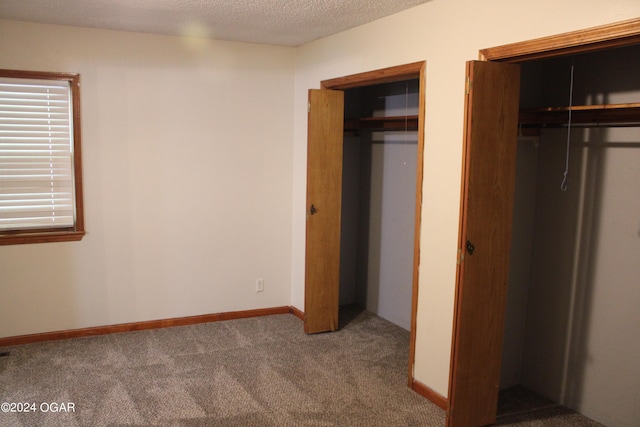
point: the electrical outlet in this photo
(259, 285)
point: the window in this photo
(40, 169)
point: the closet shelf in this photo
(601, 114)
(382, 123)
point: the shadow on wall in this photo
(581, 287)
(584, 267)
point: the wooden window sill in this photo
(40, 237)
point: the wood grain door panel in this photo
(491, 116)
(324, 194)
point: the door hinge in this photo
(467, 85)
(460, 257)
(309, 107)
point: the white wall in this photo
(445, 33)
(187, 158)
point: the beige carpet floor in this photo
(261, 371)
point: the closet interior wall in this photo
(378, 202)
(574, 285)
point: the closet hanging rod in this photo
(579, 125)
(606, 113)
(369, 130)
(382, 123)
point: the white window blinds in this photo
(36, 154)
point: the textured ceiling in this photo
(280, 22)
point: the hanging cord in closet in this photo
(564, 185)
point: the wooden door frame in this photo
(414, 70)
(619, 34)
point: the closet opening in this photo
(581, 314)
(364, 199)
(380, 156)
(573, 266)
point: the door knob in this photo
(470, 247)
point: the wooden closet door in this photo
(491, 121)
(324, 202)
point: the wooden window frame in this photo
(77, 231)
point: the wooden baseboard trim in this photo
(298, 313)
(139, 326)
(430, 394)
